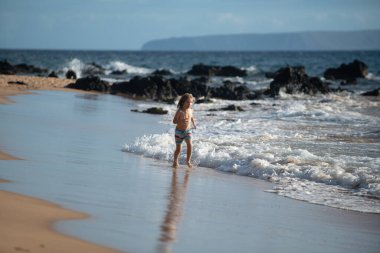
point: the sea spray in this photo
(130, 69)
(76, 65)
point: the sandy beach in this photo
(5, 156)
(26, 226)
(130, 203)
(11, 85)
(26, 222)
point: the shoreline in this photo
(27, 225)
(27, 222)
(12, 85)
(6, 156)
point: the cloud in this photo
(278, 23)
(322, 17)
(230, 19)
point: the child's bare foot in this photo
(189, 164)
(175, 165)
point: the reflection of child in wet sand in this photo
(183, 118)
(174, 210)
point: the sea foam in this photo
(122, 66)
(305, 147)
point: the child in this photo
(183, 118)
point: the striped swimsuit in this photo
(181, 135)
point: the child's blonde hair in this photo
(183, 99)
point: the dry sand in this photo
(11, 85)
(26, 224)
(5, 156)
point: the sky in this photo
(128, 24)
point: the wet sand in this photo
(12, 85)
(27, 223)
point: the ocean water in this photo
(324, 149)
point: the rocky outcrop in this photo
(153, 110)
(53, 74)
(70, 74)
(315, 85)
(17, 82)
(210, 70)
(152, 87)
(162, 72)
(295, 80)
(119, 72)
(372, 93)
(90, 83)
(29, 69)
(198, 86)
(159, 88)
(348, 72)
(156, 87)
(6, 68)
(288, 78)
(9, 69)
(162, 89)
(232, 91)
(93, 69)
(229, 108)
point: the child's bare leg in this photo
(177, 152)
(189, 152)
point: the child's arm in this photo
(193, 121)
(175, 119)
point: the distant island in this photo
(292, 41)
